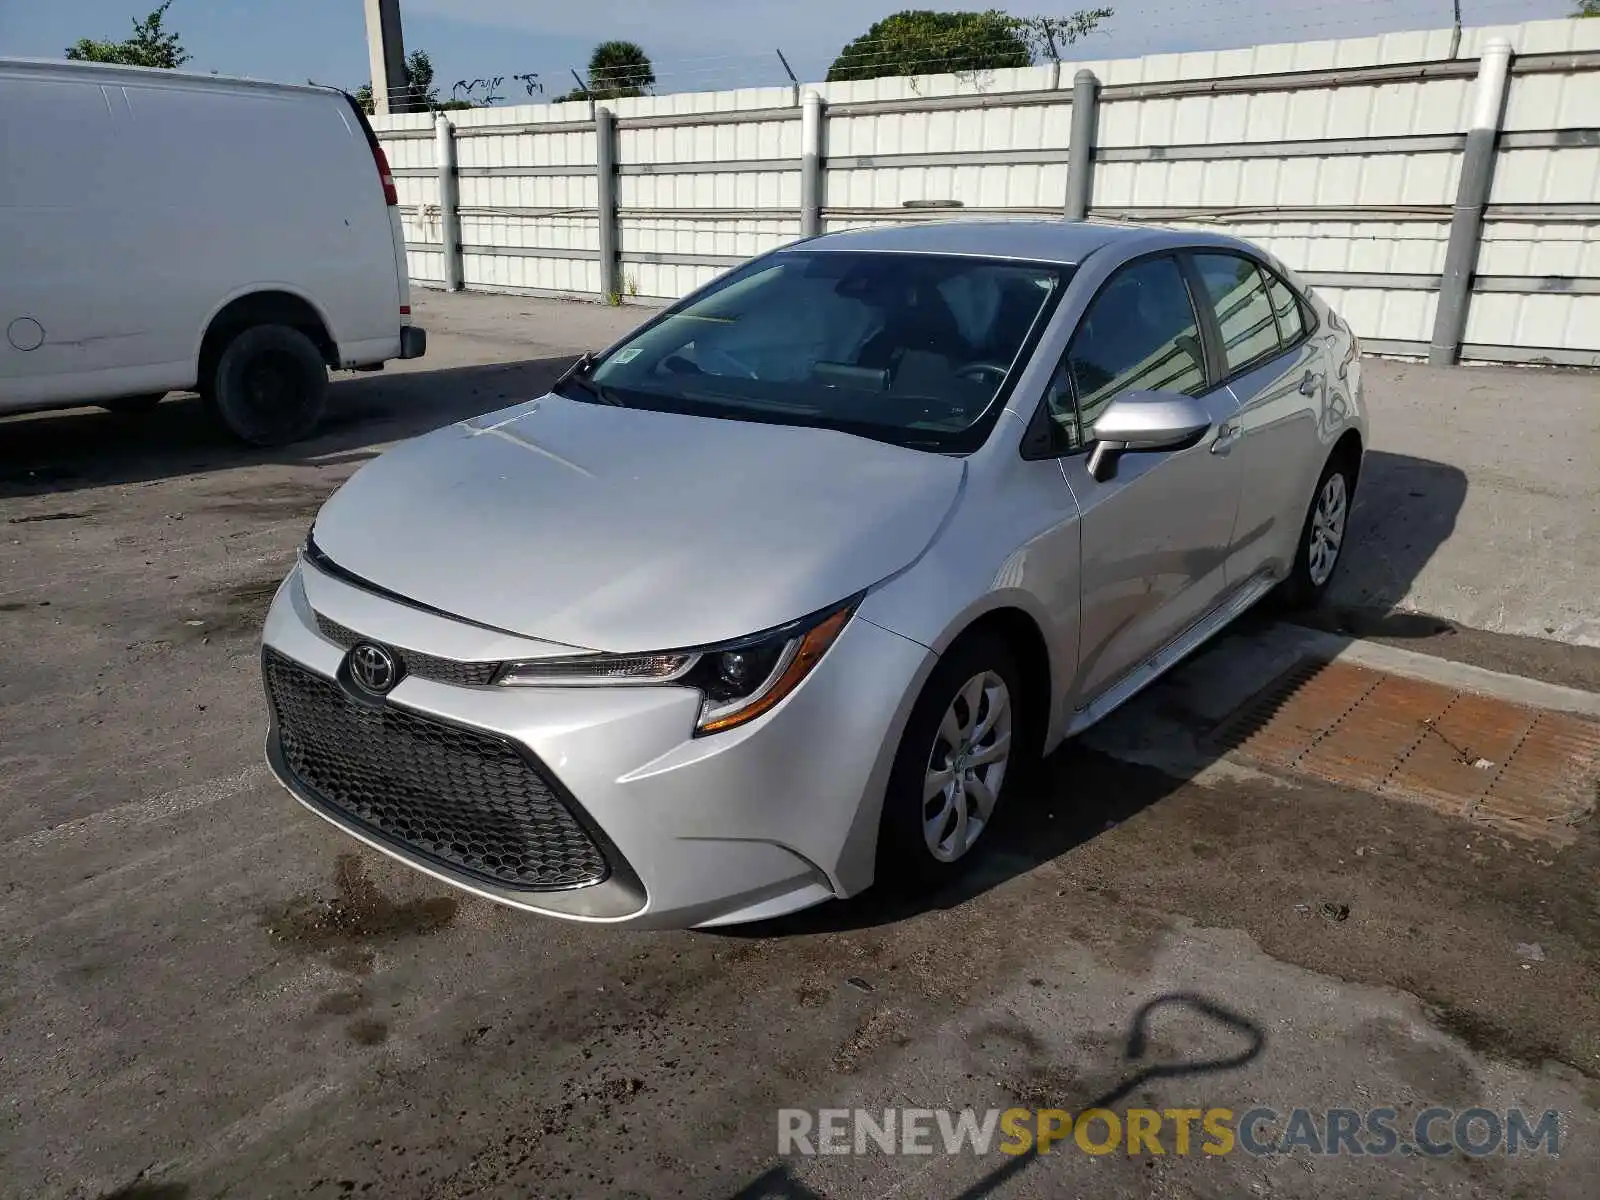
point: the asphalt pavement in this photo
(208, 992)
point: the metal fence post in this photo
(605, 137)
(1472, 193)
(811, 117)
(1080, 153)
(449, 202)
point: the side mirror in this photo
(1145, 421)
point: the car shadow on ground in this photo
(1405, 510)
(70, 449)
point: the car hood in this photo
(626, 530)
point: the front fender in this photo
(969, 572)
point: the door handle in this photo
(1227, 434)
(1311, 383)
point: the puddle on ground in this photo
(272, 501)
(238, 610)
(348, 925)
(368, 1032)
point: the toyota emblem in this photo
(373, 669)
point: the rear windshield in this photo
(915, 349)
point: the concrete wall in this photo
(1342, 157)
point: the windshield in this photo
(908, 348)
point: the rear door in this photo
(397, 234)
(1155, 535)
(1273, 370)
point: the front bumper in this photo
(765, 819)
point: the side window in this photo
(1286, 307)
(1138, 334)
(1244, 311)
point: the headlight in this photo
(737, 681)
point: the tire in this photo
(128, 406)
(907, 857)
(1316, 561)
(269, 387)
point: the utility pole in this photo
(387, 53)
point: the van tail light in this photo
(379, 158)
(385, 175)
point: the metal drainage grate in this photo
(1527, 770)
(464, 799)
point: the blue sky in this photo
(696, 44)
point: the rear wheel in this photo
(1322, 537)
(269, 386)
(133, 405)
(950, 771)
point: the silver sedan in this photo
(772, 599)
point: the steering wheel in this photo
(983, 372)
(712, 361)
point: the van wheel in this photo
(269, 387)
(133, 405)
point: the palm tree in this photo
(619, 68)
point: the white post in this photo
(449, 201)
(810, 165)
(1472, 193)
(1080, 150)
(605, 166)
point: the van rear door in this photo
(380, 162)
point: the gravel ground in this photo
(210, 993)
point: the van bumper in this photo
(413, 341)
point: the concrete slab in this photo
(1480, 502)
(175, 987)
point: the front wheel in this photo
(949, 775)
(1323, 536)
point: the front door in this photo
(1155, 535)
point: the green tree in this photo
(1588, 8)
(1047, 36)
(420, 94)
(616, 69)
(150, 46)
(923, 42)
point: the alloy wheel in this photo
(1327, 529)
(966, 766)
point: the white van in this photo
(162, 231)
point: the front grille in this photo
(414, 662)
(467, 800)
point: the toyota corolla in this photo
(772, 599)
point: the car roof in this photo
(1052, 241)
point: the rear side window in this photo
(1138, 334)
(1244, 310)
(1286, 308)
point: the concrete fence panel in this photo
(1444, 214)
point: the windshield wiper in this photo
(578, 374)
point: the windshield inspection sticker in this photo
(628, 355)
